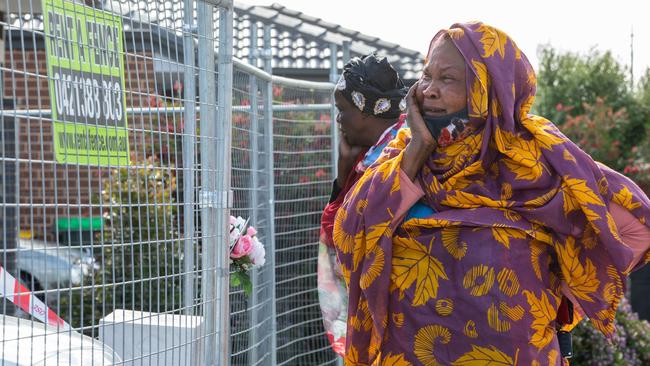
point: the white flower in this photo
(234, 235)
(239, 222)
(258, 253)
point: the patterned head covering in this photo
(517, 209)
(373, 86)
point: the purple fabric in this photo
(520, 209)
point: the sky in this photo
(568, 25)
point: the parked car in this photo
(26, 342)
(45, 266)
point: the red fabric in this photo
(329, 213)
(563, 313)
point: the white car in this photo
(25, 342)
(44, 266)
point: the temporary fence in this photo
(128, 136)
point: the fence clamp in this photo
(191, 28)
(216, 199)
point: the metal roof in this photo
(302, 41)
(299, 41)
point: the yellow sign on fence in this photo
(85, 71)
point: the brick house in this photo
(48, 190)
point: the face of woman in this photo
(351, 121)
(442, 88)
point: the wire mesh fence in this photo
(114, 190)
(303, 182)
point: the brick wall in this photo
(48, 190)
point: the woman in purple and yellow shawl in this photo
(459, 243)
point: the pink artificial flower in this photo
(233, 220)
(251, 231)
(243, 247)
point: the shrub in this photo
(629, 347)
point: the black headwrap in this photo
(372, 85)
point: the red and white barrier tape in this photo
(20, 295)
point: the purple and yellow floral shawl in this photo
(518, 210)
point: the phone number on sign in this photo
(88, 98)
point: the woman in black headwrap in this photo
(370, 100)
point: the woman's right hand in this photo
(419, 131)
(348, 155)
(422, 144)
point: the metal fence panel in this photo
(106, 244)
(302, 155)
(132, 252)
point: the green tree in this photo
(571, 80)
(568, 82)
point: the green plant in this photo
(141, 253)
(568, 81)
(630, 346)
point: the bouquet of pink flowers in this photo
(246, 252)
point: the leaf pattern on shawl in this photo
(493, 40)
(526, 105)
(552, 357)
(581, 278)
(484, 356)
(412, 263)
(506, 191)
(395, 360)
(612, 227)
(540, 128)
(568, 156)
(544, 314)
(375, 232)
(352, 356)
(579, 190)
(503, 235)
(478, 92)
(522, 157)
(541, 200)
(362, 319)
(625, 198)
(468, 200)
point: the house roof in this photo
(303, 41)
(299, 41)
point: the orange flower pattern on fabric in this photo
(516, 209)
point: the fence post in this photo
(268, 128)
(346, 52)
(189, 117)
(333, 128)
(224, 156)
(253, 133)
(209, 229)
